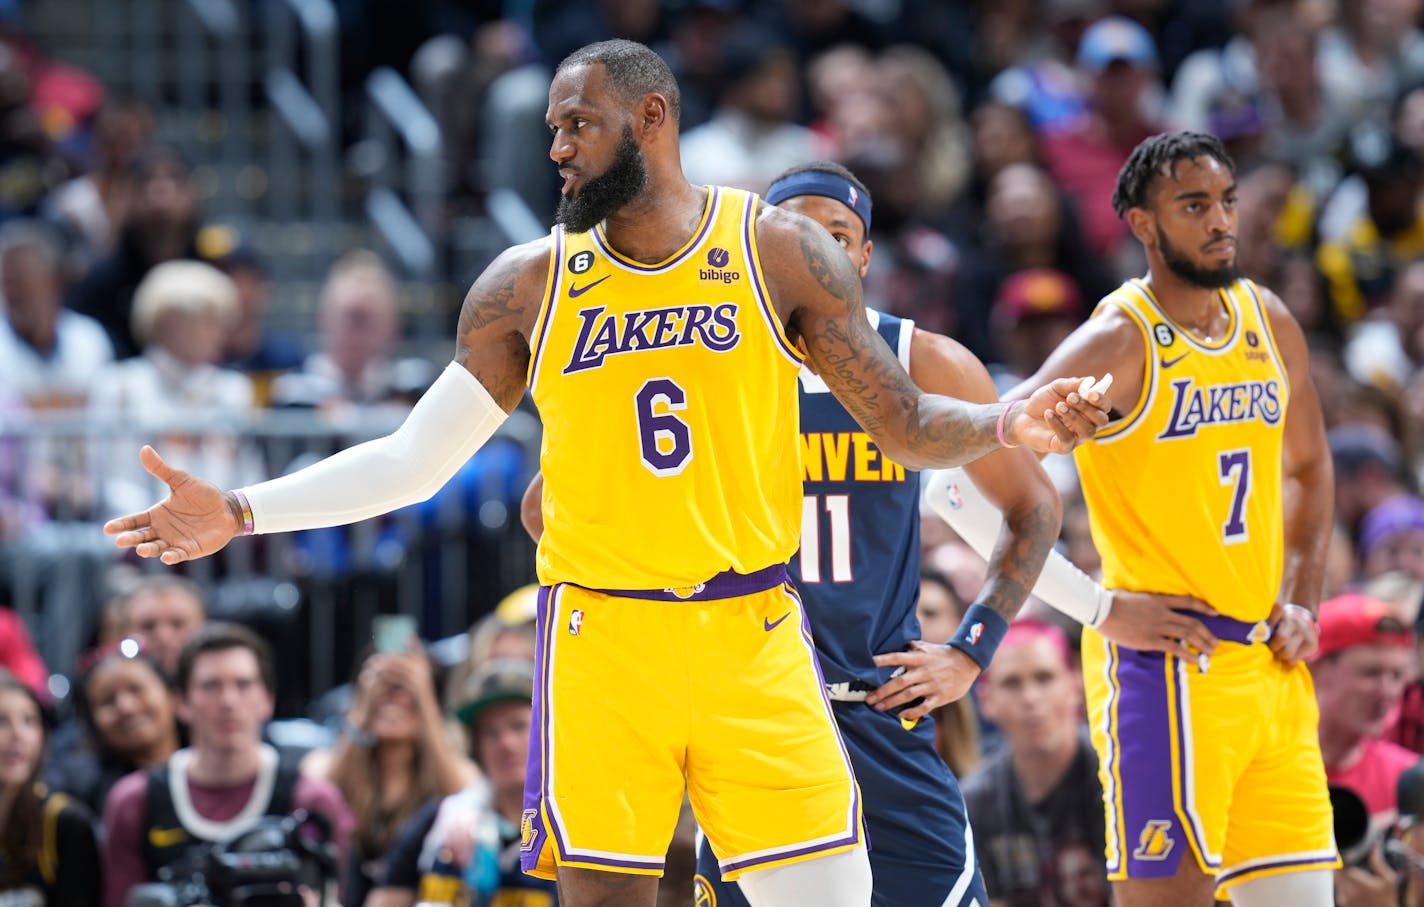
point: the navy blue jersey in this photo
(858, 569)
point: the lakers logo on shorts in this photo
(526, 830)
(1260, 632)
(1154, 843)
(703, 895)
(686, 592)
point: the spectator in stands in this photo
(181, 311)
(164, 611)
(18, 655)
(129, 722)
(359, 324)
(1033, 313)
(52, 355)
(1367, 471)
(752, 135)
(1027, 223)
(939, 611)
(926, 139)
(1119, 58)
(1360, 265)
(393, 755)
(251, 346)
(1392, 538)
(160, 225)
(48, 854)
(1039, 796)
(508, 632)
(93, 205)
(1360, 669)
(477, 830)
(208, 791)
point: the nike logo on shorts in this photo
(576, 291)
(769, 625)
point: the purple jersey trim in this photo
(758, 287)
(727, 584)
(709, 218)
(556, 283)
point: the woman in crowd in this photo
(393, 755)
(48, 855)
(129, 721)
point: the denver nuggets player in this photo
(858, 575)
(1211, 771)
(656, 328)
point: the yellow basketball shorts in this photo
(642, 698)
(1223, 763)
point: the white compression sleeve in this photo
(444, 429)
(959, 502)
(1311, 888)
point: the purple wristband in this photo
(247, 527)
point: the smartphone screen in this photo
(392, 632)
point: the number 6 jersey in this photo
(1211, 421)
(668, 395)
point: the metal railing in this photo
(446, 561)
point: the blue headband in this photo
(818, 182)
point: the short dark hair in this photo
(634, 71)
(1158, 155)
(830, 167)
(219, 637)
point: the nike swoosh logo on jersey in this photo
(770, 625)
(576, 291)
(1168, 363)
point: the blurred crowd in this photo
(990, 135)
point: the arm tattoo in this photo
(1018, 559)
(870, 381)
(491, 339)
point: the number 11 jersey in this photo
(1184, 492)
(668, 395)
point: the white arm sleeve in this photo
(958, 501)
(444, 429)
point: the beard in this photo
(606, 193)
(1194, 274)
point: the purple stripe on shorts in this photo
(855, 834)
(1151, 837)
(727, 584)
(1185, 766)
(1317, 861)
(533, 842)
(753, 862)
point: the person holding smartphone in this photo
(394, 753)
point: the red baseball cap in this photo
(1357, 620)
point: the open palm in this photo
(195, 520)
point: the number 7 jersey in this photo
(668, 395)
(1184, 492)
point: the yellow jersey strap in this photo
(49, 845)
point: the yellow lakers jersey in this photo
(1184, 492)
(668, 394)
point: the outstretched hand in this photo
(195, 520)
(1059, 416)
(1154, 623)
(935, 674)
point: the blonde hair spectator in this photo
(181, 286)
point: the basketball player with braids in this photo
(1213, 480)
(656, 327)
